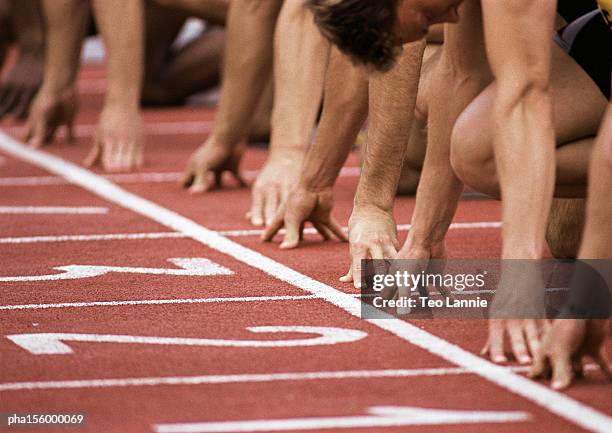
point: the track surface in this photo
(165, 382)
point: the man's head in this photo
(372, 31)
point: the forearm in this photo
(300, 60)
(121, 24)
(29, 25)
(392, 101)
(345, 109)
(524, 139)
(66, 22)
(247, 66)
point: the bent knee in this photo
(470, 151)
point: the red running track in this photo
(189, 369)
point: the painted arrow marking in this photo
(188, 267)
(378, 416)
(52, 343)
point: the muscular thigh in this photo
(578, 106)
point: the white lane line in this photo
(53, 210)
(229, 233)
(155, 302)
(125, 178)
(555, 402)
(247, 378)
(195, 127)
(376, 416)
(230, 378)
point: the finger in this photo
(540, 365)
(323, 231)
(93, 157)
(496, 341)
(188, 176)
(36, 134)
(271, 205)
(517, 343)
(337, 230)
(200, 183)
(533, 337)
(273, 228)
(257, 207)
(293, 231)
(348, 277)
(356, 267)
(563, 374)
(138, 155)
(602, 361)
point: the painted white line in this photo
(229, 233)
(155, 302)
(52, 343)
(555, 402)
(53, 210)
(152, 177)
(190, 267)
(198, 127)
(81, 238)
(229, 378)
(378, 416)
(246, 378)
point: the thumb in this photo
(562, 371)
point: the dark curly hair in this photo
(361, 29)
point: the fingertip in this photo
(288, 245)
(498, 359)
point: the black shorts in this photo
(587, 40)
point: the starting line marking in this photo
(378, 416)
(229, 233)
(555, 402)
(157, 302)
(52, 343)
(188, 267)
(52, 210)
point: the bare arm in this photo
(392, 100)
(300, 60)
(55, 103)
(344, 111)
(519, 51)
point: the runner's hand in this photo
(48, 113)
(524, 335)
(305, 206)
(273, 185)
(372, 235)
(211, 157)
(118, 141)
(19, 87)
(564, 345)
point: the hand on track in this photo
(48, 113)
(19, 87)
(277, 178)
(564, 345)
(213, 158)
(118, 141)
(301, 207)
(372, 235)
